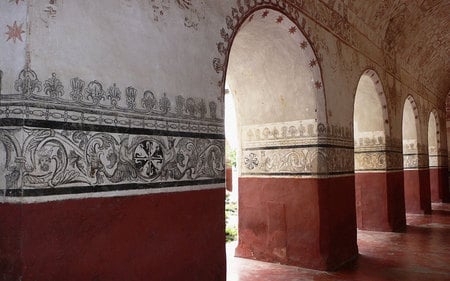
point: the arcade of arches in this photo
(112, 138)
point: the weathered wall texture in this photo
(123, 98)
(104, 99)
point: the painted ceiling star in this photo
(15, 32)
(303, 45)
(318, 85)
(312, 63)
(265, 13)
(292, 30)
(279, 19)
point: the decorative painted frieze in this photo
(415, 161)
(410, 146)
(434, 161)
(370, 161)
(297, 161)
(92, 103)
(367, 161)
(96, 96)
(370, 139)
(49, 161)
(302, 132)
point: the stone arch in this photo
(285, 145)
(435, 163)
(433, 135)
(242, 14)
(377, 87)
(416, 178)
(374, 190)
(410, 127)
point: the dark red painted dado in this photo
(417, 191)
(380, 203)
(172, 236)
(229, 178)
(438, 184)
(303, 222)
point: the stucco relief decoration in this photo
(50, 158)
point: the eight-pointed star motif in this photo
(15, 32)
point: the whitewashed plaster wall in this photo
(179, 47)
(142, 51)
(137, 43)
(13, 45)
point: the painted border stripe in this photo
(104, 188)
(318, 145)
(10, 122)
(299, 174)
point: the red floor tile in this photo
(421, 253)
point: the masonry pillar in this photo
(301, 213)
(438, 176)
(417, 181)
(379, 186)
(111, 153)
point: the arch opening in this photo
(275, 81)
(371, 128)
(416, 178)
(436, 181)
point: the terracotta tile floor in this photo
(422, 253)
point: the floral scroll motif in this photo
(53, 158)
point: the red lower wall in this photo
(396, 201)
(380, 201)
(417, 191)
(173, 236)
(10, 233)
(438, 184)
(304, 222)
(229, 178)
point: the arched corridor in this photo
(378, 178)
(114, 157)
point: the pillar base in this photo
(303, 222)
(417, 191)
(380, 201)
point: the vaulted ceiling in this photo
(415, 33)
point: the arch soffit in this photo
(379, 88)
(434, 113)
(415, 109)
(246, 12)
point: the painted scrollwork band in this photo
(56, 160)
(91, 102)
(298, 161)
(378, 160)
